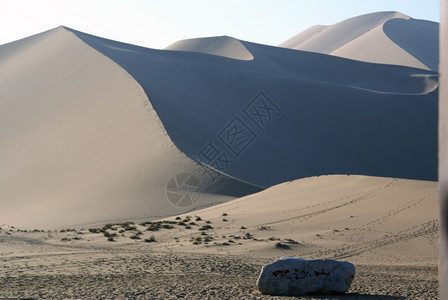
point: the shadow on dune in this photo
(424, 48)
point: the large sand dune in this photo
(80, 141)
(383, 37)
(297, 114)
(95, 130)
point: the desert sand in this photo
(120, 177)
(92, 130)
(386, 227)
(382, 37)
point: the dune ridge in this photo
(220, 45)
(313, 86)
(92, 130)
(381, 37)
(80, 141)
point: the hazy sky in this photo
(159, 23)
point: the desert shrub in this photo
(107, 234)
(281, 246)
(151, 239)
(167, 226)
(178, 218)
(198, 219)
(110, 239)
(94, 230)
(205, 227)
(129, 227)
(242, 227)
(224, 214)
(224, 220)
(264, 228)
(188, 227)
(208, 239)
(248, 236)
(108, 226)
(135, 237)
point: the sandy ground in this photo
(138, 272)
(386, 227)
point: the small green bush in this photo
(205, 227)
(151, 239)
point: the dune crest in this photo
(94, 130)
(79, 140)
(382, 37)
(220, 45)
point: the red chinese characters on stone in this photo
(299, 274)
(282, 274)
(322, 272)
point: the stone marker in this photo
(294, 276)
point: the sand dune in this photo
(301, 114)
(94, 130)
(79, 140)
(382, 37)
(387, 227)
(368, 220)
(221, 45)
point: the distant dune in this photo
(367, 220)
(382, 37)
(94, 130)
(221, 45)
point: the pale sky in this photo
(159, 23)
